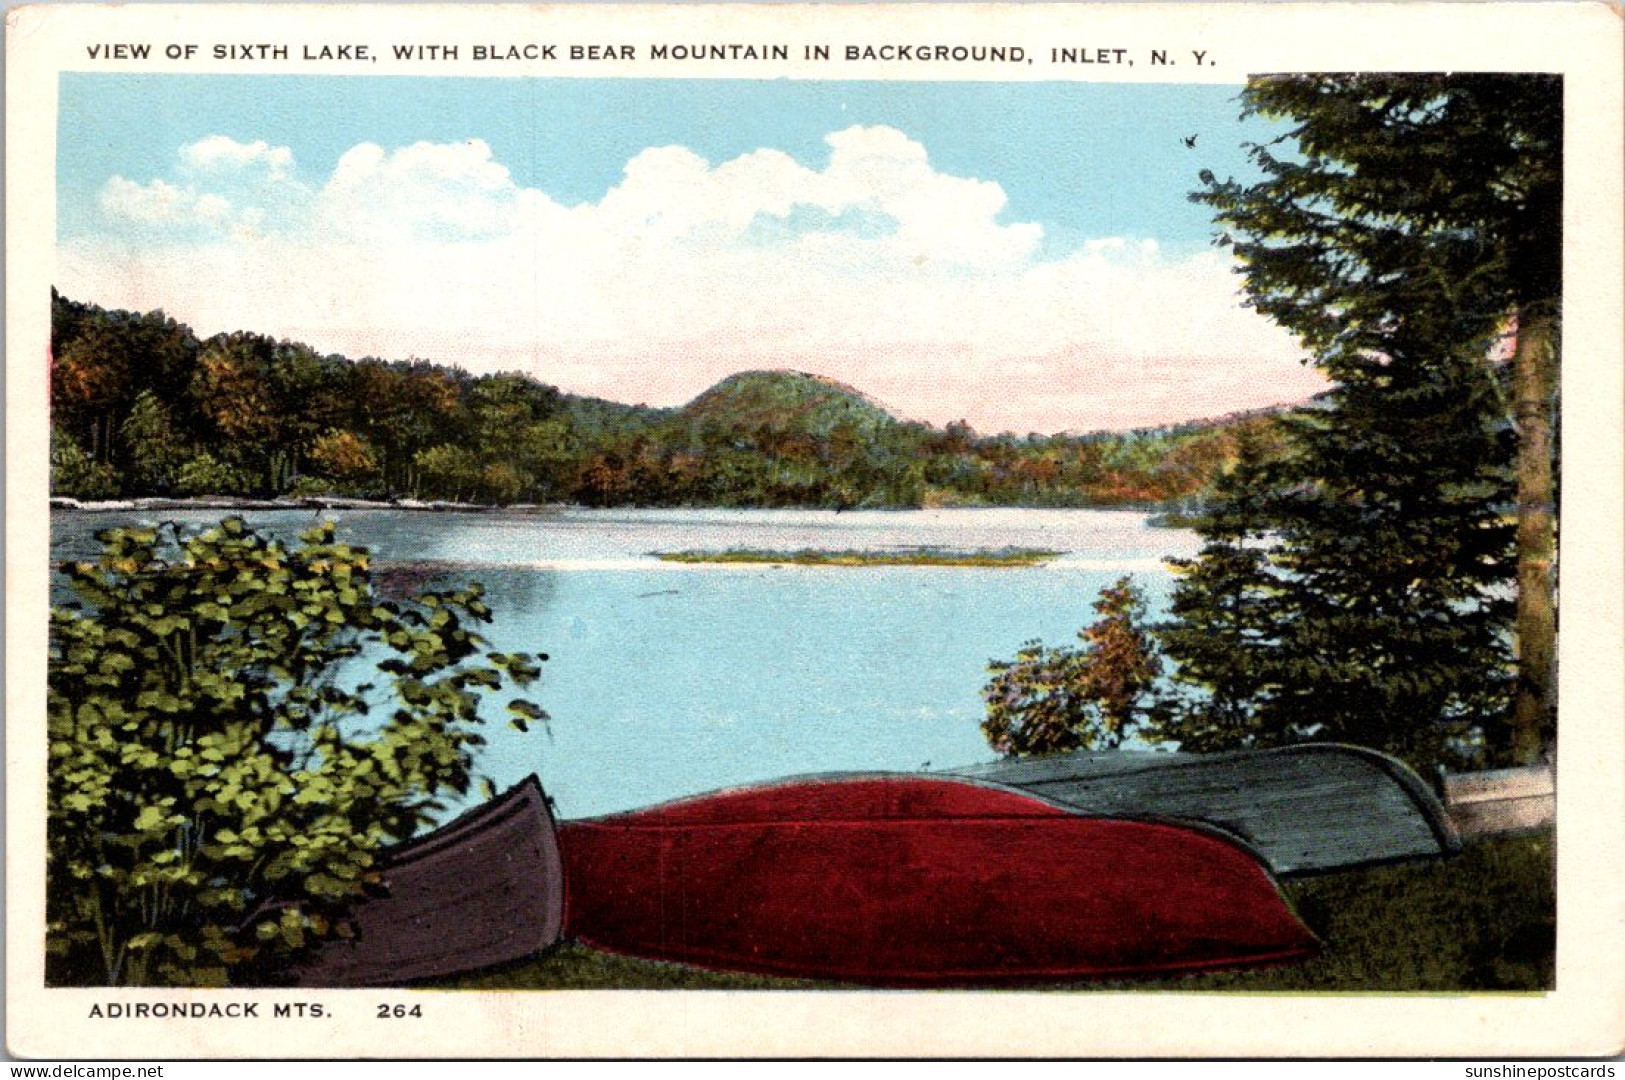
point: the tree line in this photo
(142, 407)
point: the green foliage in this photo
(451, 471)
(1357, 591)
(987, 558)
(788, 402)
(156, 452)
(1051, 700)
(1397, 199)
(501, 483)
(204, 474)
(1223, 631)
(236, 728)
(75, 474)
(1358, 586)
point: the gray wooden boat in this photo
(485, 889)
(1305, 809)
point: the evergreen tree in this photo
(1223, 631)
(1357, 590)
(1410, 223)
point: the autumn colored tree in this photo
(346, 459)
(91, 380)
(101, 367)
(232, 387)
(1123, 662)
(1051, 700)
(404, 409)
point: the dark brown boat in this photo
(1305, 809)
(485, 889)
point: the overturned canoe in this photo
(487, 888)
(918, 881)
(1308, 808)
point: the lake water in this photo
(669, 679)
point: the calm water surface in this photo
(671, 679)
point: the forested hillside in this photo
(141, 406)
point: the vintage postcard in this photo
(999, 530)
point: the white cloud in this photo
(156, 203)
(877, 269)
(219, 154)
(427, 191)
(222, 189)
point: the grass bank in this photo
(901, 557)
(1483, 921)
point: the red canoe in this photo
(917, 881)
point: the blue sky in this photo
(1085, 159)
(1014, 253)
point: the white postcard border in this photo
(1584, 1015)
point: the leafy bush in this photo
(305, 486)
(75, 474)
(156, 451)
(236, 728)
(206, 474)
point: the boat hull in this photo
(483, 890)
(913, 881)
(1305, 809)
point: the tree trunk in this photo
(1534, 377)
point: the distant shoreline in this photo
(321, 502)
(304, 502)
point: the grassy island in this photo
(999, 557)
